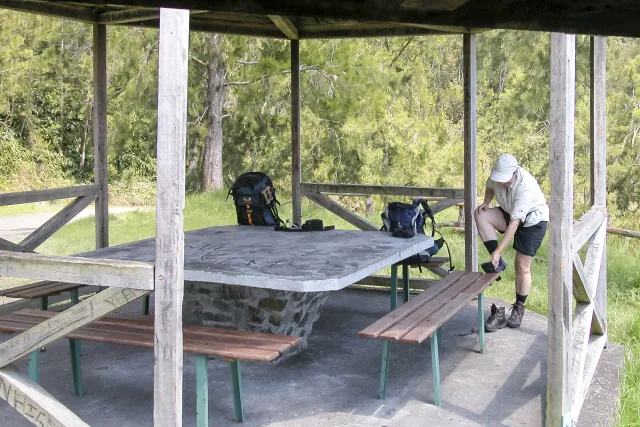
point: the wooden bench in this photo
(202, 341)
(422, 317)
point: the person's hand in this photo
(483, 207)
(495, 258)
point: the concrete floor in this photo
(335, 381)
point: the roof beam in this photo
(127, 16)
(286, 26)
(58, 10)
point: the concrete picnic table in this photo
(256, 278)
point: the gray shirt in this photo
(523, 199)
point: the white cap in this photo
(504, 168)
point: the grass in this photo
(623, 270)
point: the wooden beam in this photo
(172, 135)
(75, 317)
(6, 245)
(593, 353)
(55, 223)
(586, 226)
(285, 25)
(22, 197)
(340, 211)
(580, 333)
(58, 9)
(598, 324)
(128, 16)
(385, 281)
(100, 166)
(579, 281)
(444, 204)
(390, 190)
(559, 352)
(296, 143)
(87, 271)
(598, 123)
(470, 157)
(593, 261)
(33, 402)
(622, 232)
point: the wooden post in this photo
(599, 152)
(169, 273)
(100, 133)
(470, 161)
(559, 351)
(296, 153)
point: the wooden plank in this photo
(593, 260)
(385, 281)
(390, 190)
(594, 351)
(444, 204)
(599, 322)
(285, 25)
(470, 156)
(623, 232)
(63, 323)
(38, 289)
(6, 245)
(579, 280)
(580, 332)
(406, 325)
(44, 195)
(598, 123)
(586, 226)
(33, 402)
(296, 144)
(127, 16)
(559, 352)
(172, 134)
(100, 167)
(429, 326)
(86, 271)
(397, 315)
(56, 222)
(342, 212)
(58, 9)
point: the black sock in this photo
(521, 298)
(491, 246)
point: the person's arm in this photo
(488, 196)
(508, 236)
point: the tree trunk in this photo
(212, 176)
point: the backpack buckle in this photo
(267, 195)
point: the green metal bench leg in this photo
(44, 303)
(202, 391)
(439, 332)
(405, 282)
(435, 367)
(394, 287)
(75, 349)
(386, 354)
(145, 304)
(236, 382)
(481, 320)
(34, 366)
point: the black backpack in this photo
(255, 199)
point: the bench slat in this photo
(402, 328)
(427, 327)
(221, 334)
(38, 289)
(409, 307)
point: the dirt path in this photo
(19, 226)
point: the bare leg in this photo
(488, 222)
(523, 273)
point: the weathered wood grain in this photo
(443, 204)
(470, 156)
(559, 351)
(586, 226)
(69, 320)
(390, 190)
(44, 195)
(100, 167)
(172, 134)
(58, 9)
(87, 271)
(287, 27)
(32, 401)
(6, 245)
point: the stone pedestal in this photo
(252, 309)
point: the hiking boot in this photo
(517, 313)
(497, 320)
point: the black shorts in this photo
(527, 240)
